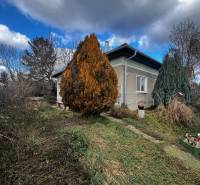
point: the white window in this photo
(141, 84)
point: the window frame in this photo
(145, 84)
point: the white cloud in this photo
(13, 38)
(144, 42)
(3, 69)
(149, 20)
(61, 40)
(116, 40)
(67, 40)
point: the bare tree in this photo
(64, 53)
(11, 59)
(17, 84)
(64, 56)
(185, 38)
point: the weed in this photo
(77, 143)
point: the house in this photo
(136, 74)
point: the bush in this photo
(14, 93)
(122, 112)
(178, 113)
(89, 83)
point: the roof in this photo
(127, 51)
(55, 75)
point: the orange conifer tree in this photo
(89, 83)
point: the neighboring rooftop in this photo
(127, 51)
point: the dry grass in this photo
(36, 153)
(122, 112)
(177, 113)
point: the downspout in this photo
(125, 76)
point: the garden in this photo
(63, 147)
(95, 142)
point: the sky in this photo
(144, 24)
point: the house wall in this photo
(132, 96)
(127, 72)
(119, 72)
(59, 98)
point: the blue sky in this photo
(143, 24)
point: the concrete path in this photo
(135, 130)
(139, 132)
(186, 158)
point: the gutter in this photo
(125, 76)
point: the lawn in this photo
(154, 125)
(118, 156)
(64, 148)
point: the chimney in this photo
(107, 46)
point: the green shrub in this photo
(171, 80)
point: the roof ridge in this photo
(132, 48)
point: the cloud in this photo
(116, 40)
(61, 40)
(3, 69)
(67, 40)
(144, 42)
(159, 30)
(120, 16)
(147, 20)
(12, 38)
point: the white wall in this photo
(59, 98)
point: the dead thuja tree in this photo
(89, 83)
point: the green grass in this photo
(157, 127)
(116, 155)
(63, 147)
